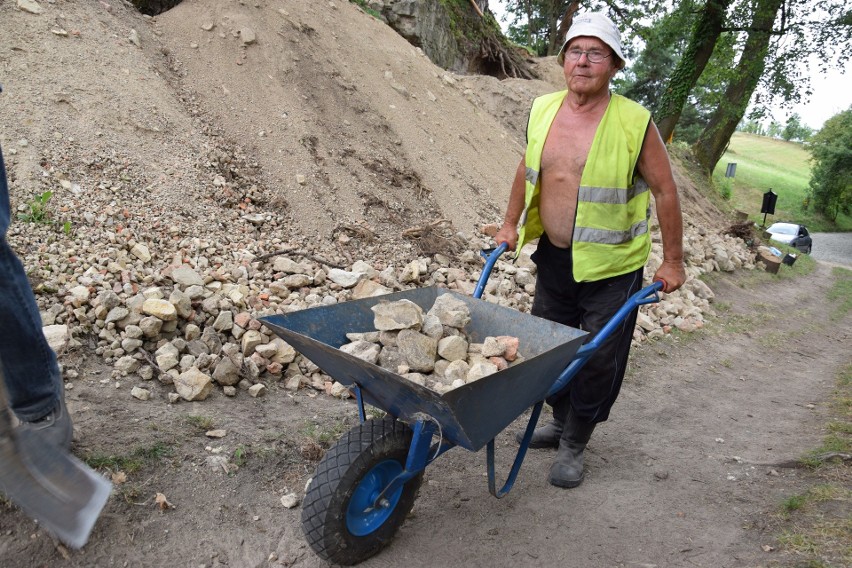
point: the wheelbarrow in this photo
(366, 484)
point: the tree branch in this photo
(782, 31)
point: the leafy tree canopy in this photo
(810, 36)
(795, 130)
(831, 175)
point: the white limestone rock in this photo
(193, 385)
(401, 314)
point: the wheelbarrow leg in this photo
(519, 458)
(415, 463)
(362, 414)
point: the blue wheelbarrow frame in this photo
(470, 416)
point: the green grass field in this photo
(764, 163)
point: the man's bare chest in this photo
(567, 146)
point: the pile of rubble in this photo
(155, 231)
(411, 342)
(191, 322)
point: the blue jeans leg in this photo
(29, 365)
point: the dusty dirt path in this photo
(682, 475)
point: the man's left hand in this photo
(671, 272)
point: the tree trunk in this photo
(454, 36)
(705, 33)
(528, 6)
(565, 24)
(553, 13)
(717, 134)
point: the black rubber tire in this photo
(324, 508)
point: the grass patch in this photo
(374, 412)
(793, 503)
(240, 456)
(37, 211)
(273, 436)
(816, 525)
(841, 405)
(764, 163)
(736, 324)
(202, 423)
(840, 428)
(803, 266)
(816, 494)
(799, 543)
(316, 438)
(325, 435)
(772, 339)
(841, 292)
(130, 492)
(364, 6)
(132, 462)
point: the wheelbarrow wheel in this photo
(337, 517)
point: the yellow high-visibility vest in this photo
(611, 233)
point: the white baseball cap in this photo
(593, 25)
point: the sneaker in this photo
(56, 427)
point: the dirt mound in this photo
(316, 113)
(349, 122)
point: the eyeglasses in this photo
(594, 56)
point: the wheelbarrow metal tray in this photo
(469, 416)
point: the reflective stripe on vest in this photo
(612, 195)
(608, 237)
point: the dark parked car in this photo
(791, 234)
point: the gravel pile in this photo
(158, 303)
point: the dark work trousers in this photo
(587, 306)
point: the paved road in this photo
(833, 247)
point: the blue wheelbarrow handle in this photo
(647, 295)
(491, 256)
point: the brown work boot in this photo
(567, 468)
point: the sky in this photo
(832, 92)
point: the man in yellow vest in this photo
(583, 189)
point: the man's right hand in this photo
(507, 234)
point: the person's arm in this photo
(508, 232)
(655, 168)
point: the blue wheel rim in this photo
(361, 517)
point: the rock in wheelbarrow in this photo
(451, 311)
(394, 316)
